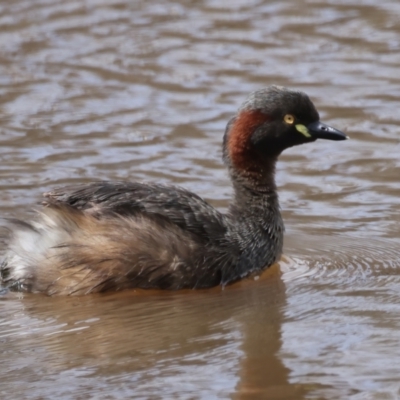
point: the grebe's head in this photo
(269, 121)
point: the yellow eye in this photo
(289, 119)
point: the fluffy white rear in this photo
(30, 246)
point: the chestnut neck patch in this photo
(241, 152)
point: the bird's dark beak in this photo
(318, 130)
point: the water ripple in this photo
(344, 262)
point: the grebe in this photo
(118, 235)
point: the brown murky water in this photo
(103, 89)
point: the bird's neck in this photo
(255, 192)
(256, 222)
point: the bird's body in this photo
(118, 235)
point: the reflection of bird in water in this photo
(112, 236)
